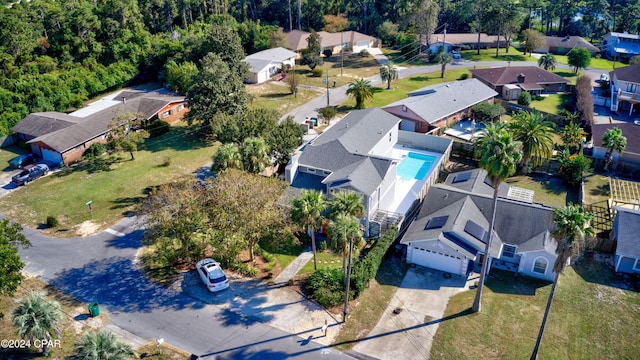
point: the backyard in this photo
(593, 317)
(277, 96)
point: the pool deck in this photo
(462, 130)
(407, 191)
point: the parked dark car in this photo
(21, 161)
(30, 173)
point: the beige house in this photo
(347, 41)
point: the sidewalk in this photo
(292, 269)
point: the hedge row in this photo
(366, 267)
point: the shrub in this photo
(524, 99)
(158, 128)
(464, 76)
(366, 267)
(52, 221)
(95, 150)
(245, 269)
(327, 113)
(537, 97)
(326, 286)
(327, 52)
(166, 161)
(317, 72)
(573, 167)
(364, 53)
(322, 245)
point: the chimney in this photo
(521, 78)
(124, 100)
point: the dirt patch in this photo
(266, 270)
(87, 228)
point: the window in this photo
(631, 87)
(389, 137)
(540, 265)
(166, 113)
(636, 266)
(509, 250)
(180, 107)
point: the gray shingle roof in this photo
(436, 102)
(344, 149)
(509, 75)
(476, 182)
(523, 224)
(275, 54)
(629, 73)
(62, 132)
(627, 230)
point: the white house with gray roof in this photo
(265, 64)
(626, 227)
(361, 153)
(439, 106)
(451, 231)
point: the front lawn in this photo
(594, 316)
(114, 184)
(354, 67)
(400, 88)
(277, 96)
(490, 55)
(326, 259)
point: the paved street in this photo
(102, 268)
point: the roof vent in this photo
(404, 108)
(124, 100)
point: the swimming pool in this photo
(415, 166)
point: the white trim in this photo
(546, 266)
(636, 266)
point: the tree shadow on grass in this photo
(506, 282)
(180, 138)
(90, 166)
(120, 286)
(598, 268)
(126, 202)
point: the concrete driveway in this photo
(413, 315)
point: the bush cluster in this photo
(95, 150)
(366, 267)
(158, 128)
(317, 72)
(52, 221)
(244, 269)
(326, 286)
(524, 99)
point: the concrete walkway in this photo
(296, 265)
(378, 55)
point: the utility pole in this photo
(327, 87)
(290, 24)
(299, 14)
(341, 53)
(346, 294)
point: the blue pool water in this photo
(415, 166)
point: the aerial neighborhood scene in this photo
(310, 179)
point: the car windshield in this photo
(218, 279)
(24, 173)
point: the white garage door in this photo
(407, 125)
(437, 261)
(50, 155)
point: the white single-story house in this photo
(439, 106)
(452, 229)
(265, 64)
(366, 153)
(347, 41)
(626, 227)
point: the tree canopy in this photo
(11, 239)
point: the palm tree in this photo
(345, 230)
(361, 90)
(227, 156)
(572, 136)
(573, 226)
(101, 345)
(500, 157)
(255, 155)
(613, 141)
(548, 61)
(37, 318)
(443, 59)
(307, 211)
(536, 136)
(346, 202)
(388, 73)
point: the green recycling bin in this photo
(94, 309)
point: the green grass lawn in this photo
(547, 190)
(490, 55)
(114, 184)
(552, 103)
(278, 97)
(596, 63)
(400, 88)
(326, 259)
(593, 316)
(355, 67)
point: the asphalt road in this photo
(338, 95)
(102, 268)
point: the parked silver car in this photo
(212, 275)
